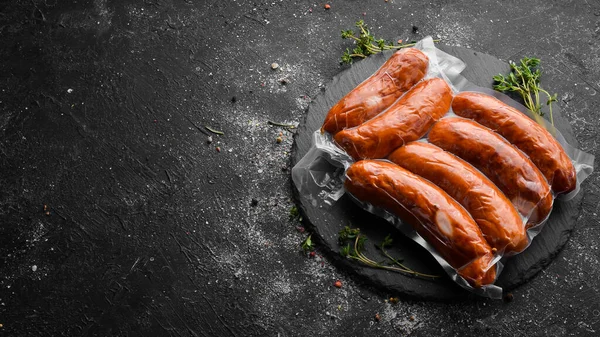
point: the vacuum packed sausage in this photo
(408, 119)
(504, 165)
(399, 73)
(499, 221)
(524, 133)
(437, 217)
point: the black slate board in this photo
(326, 222)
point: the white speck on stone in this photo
(34, 267)
(69, 90)
(274, 65)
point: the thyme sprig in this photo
(352, 244)
(524, 79)
(367, 44)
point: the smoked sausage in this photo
(504, 165)
(499, 221)
(439, 219)
(408, 119)
(399, 73)
(524, 133)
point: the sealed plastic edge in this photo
(318, 176)
(441, 64)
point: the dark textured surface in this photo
(327, 222)
(151, 230)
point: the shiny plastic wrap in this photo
(404, 121)
(524, 133)
(513, 173)
(470, 189)
(398, 74)
(496, 216)
(437, 217)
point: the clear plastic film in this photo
(320, 175)
(508, 168)
(582, 161)
(449, 228)
(499, 221)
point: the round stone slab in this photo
(326, 222)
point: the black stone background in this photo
(152, 231)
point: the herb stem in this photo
(550, 98)
(359, 55)
(524, 79)
(357, 254)
(403, 267)
(213, 130)
(366, 44)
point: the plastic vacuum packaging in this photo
(404, 121)
(524, 133)
(507, 167)
(498, 219)
(396, 76)
(464, 171)
(431, 212)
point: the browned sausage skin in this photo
(499, 221)
(408, 119)
(437, 217)
(504, 165)
(399, 73)
(524, 133)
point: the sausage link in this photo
(399, 73)
(408, 119)
(497, 218)
(504, 165)
(430, 211)
(524, 133)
